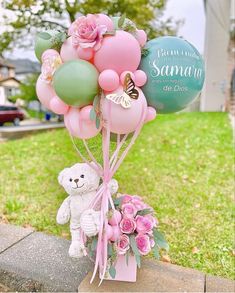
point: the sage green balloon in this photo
(76, 82)
(43, 42)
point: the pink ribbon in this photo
(103, 195)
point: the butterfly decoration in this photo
(130, 92)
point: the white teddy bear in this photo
(81, 183)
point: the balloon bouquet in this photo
(104, 78)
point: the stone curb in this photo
(33, 261)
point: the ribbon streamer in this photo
(103, 195)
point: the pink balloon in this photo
(104, 19)
(109, 80)
(119, 52)
(67, 124)
(109, 232)
(58, 106)
(140, 77)
(85, 113)
(68, 51)
(116, 233)
(116, 218)
(45, 92)
(150, 115)
(85, 54)
(141, 37)
(123, 75)
(123, 120)
(49, 53)
(79, 127)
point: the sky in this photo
(191, 11)
(193, 14)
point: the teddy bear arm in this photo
(113, 186)
(90, 222)
(63, 214)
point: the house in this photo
(9, 84)
(24, 68)
(218, 54)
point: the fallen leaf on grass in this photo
(165, 258)
(195, 250)
(3, 219)
(27, 226)
(64, 234)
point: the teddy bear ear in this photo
(61, 175)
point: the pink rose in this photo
(143, 224)
(86, 32)
(152, 219)
(143, 244)
(126, 198)
(123, 244)
(138, 203)
(129, 210)
(152, 242)
(127, 225)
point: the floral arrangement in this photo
(132, 230)
(106, 79)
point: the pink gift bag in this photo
(124, 272)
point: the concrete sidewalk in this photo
(14, 132)
(33, 261)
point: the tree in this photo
(25, 17)
(27, 90)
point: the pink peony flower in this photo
(127, 225)
(86, 32)
(143, 224)
(49, 66)
(129, 210)
(123, 244)
(143, 244)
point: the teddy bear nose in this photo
(76, 180)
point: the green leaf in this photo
(97, 122)
(160, 239)
(44, 35)
(118, 201)
(61, 36)
(156, 252)
(112, 272)
(144, 52)
(110, 249)
(92, 114)
(144, 212)
(94, 244)
(135, 250)
(121, 20)
(110, 33)
(96, 101)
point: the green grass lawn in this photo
(181, 164)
